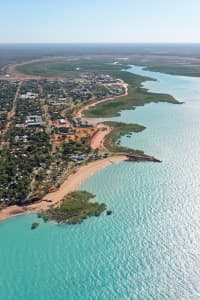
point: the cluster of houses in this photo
(81, 92)
(63, 130)
(34, 121)
(8, 90)
(101, 78)
(77, 122)
(115, 90)
(23, 138)
(60, 102)
(29, 96)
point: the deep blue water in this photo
(149, 248)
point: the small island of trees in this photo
(74, 208)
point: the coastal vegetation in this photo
(74, 208)
(34, 225)
(176, 69)
(175, 66)
(112, 140)
(137, 96)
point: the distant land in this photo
(179, 59)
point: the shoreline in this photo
(71, 184)
(73, 181)
(82, 173)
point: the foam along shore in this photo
(71, 184)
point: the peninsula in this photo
(51, 137)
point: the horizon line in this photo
(100, 43)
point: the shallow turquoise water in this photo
(150, 247)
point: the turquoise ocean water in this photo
(149, 249)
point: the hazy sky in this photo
(99, 21)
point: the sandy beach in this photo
(71, 184)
